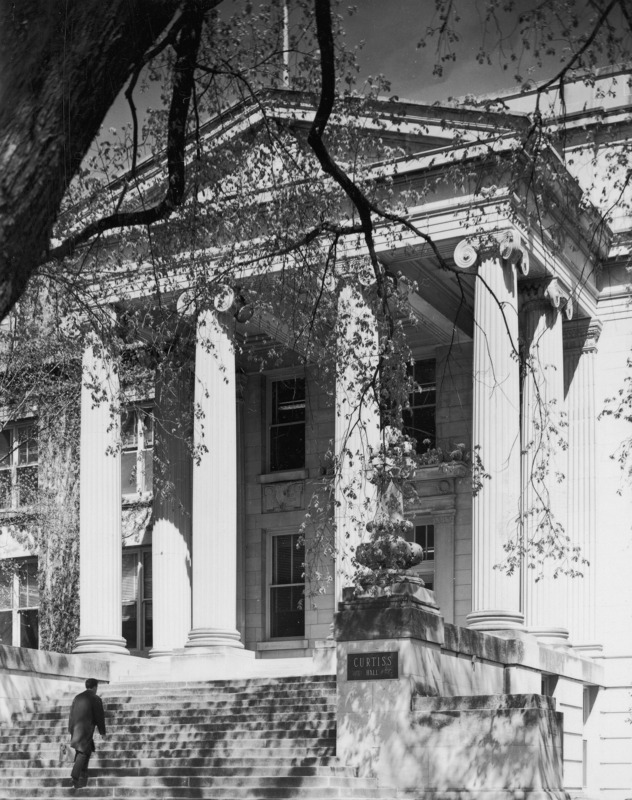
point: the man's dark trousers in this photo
(79, 772)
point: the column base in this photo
(553, 637)
(589, 650)
(164, 652)
(495, 620)
(101, 644)
(213, 638)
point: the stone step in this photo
(228, 762)
(247, 740)
(123, 769)
(194, 792)
(245, 749)
(172, 705)
(97, 778)
(135, 723)
(187, 715)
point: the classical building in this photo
(219, 570)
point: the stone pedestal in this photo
(397, 663)
(496, 595)
(214, 490)
(171, 534)
(100, 508)
(357, 427)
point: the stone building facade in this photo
(221, 570)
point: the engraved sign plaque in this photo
(372, 666)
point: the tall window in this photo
(287, 587)
(420, 418)
(18, 465)
(137, 599)
(19, 604)
(287, 424)
(137, 437)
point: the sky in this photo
(391, 30)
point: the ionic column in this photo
(100, 542)
(171, 534)
(242, 381)
(496, 595)
(214, 490)
(357, 428)
(580, 338)
(544, 458)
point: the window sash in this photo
(19, 452)
(287, 424)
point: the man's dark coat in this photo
(86, 714)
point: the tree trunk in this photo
(62, 64)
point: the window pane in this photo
(287, 611)
(420, 418)
(288, 401)
(148, 627)
(27, 444)
(129, 582)
(128, 472)
(129, 438)
(129, 594)
(5, 488)
(147, 576)
(29, 590)
(282, 559)
(288, 555)
(6, 627)
(6, 588)
(27, 479)
(29, 628)
(5, 448)
(148, 455)
(148, 428)
(287, 447)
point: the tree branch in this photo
(186, 46)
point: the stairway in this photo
(259, 739)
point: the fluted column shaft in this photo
(100, 559)
(171, 534)
(581, 339)
(214, 489)
(357, 428)
(496, 595)
(543, 461)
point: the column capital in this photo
(506, 246)
(582, 335)
(546, 293)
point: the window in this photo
(424, 535)
(18, 465)
(19, 604)
(287, 587)
(287, 424)
(419, 419)
(137, 629)
(137, 451)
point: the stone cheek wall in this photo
(462, 711)
(31, 677)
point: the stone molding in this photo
(282, 496)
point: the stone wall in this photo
(31, 677)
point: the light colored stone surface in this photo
(100, 508)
